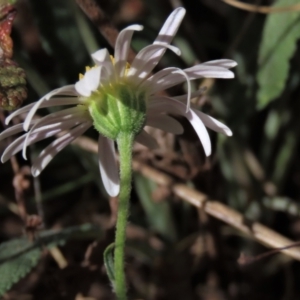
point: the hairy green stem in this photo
(125, 142)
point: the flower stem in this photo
(125, 142)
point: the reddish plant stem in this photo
(102, 22)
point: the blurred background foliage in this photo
(174, 251)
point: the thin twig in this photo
(246, 260)
(216, 209)
(94, 12)
(18, 180)
(20, 185)
(242, 31)
(262, 9)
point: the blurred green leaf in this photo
(158, 214)
(17, 260)
(279, 41)
(283, 204)
(19, 256)
(108, 257)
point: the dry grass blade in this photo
(216, 209)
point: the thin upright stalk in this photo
(125, 142)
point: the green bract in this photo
(118, 108)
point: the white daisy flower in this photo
(114, 98)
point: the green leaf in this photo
(279, 41)
(108, 257)
(158, 214)
(19, 256)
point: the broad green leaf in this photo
(19, 256)
(279, 41)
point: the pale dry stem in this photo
(214, 208)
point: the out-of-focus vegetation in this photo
(174, 250)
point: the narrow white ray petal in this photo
(108, 166)
(193, 94)
(212, 123)
(51, 102)
(146, 140)
(209, 71)
(81, 88)
(173, 106)
(17, 144)
(226, 63)
(159, 78)
(37, 135)
(13, 130)
(122, 48)
(91, 78)
(166, 34)
(188, 100)
(60, 124)
(170, 27)
(56, 146)
(165, 123)
(61, 116)
(168, 72)
(164, 80)
(201, 131)
(102, 58)
(66, 90)
(146, 60)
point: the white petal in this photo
(17, 144)
(122, 48)
(208, 71)
(108, 166)
(212, 123)
(66, 90)
(51, 102)
(181, 72)
(164, 38)
(201, 131)
(193, 94)
(146, 140)
(13, 130)
(163, 79)
(226, 63)
(63, 115)
(38, 134)
(92, 78)
(146, 60)
(56, 146)
(102, 58)
(159, 78)
(170, 27)
(173, 106)
(81, 88)
(165, 123)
